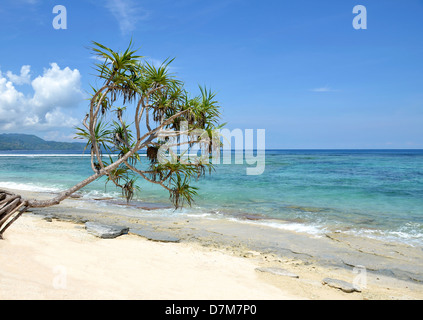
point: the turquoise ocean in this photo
(373, 193)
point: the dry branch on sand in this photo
(11, 207)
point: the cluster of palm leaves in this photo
(157, 105)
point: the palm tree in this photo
(158, 103)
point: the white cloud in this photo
(56, 88)
(54, 93)
(23, 78)
(57, 116)
(127, 14)
(56, 135)
(11, 103)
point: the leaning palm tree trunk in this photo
(155, 100)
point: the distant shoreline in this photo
(27, 142)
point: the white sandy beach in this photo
(55, 259)
(60, 260)
(41, 260)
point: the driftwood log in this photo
(11, 207)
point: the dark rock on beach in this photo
(105, 231)
(341, 285)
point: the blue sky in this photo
(295, 68)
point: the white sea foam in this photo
(288, 226)
(27, 187)
(410, 237)
(296, 227)
(92, 194)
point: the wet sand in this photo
(211, 258)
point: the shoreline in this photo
(301, 225)
(384, 270)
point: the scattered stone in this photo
(149, 208)
(105, 231)
(252, 217)
(48, 218)
(80, 220)
(341, 285)
(154, 235)
(75, 196)
(251, 254)
(278, 272)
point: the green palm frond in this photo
(158, 95)
(182, 192)
(101, 134)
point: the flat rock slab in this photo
(105, 231)
(155, 235)
(341, 285)
(278, 272)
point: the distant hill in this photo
(16, 141)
